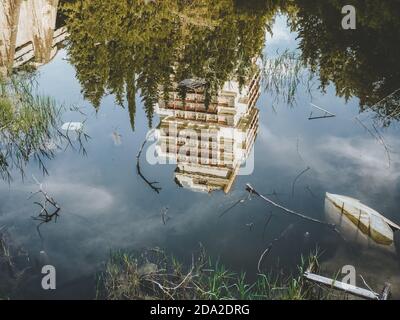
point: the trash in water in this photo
(116, 138)
(72, 126)
(352, 216)
(43, 258)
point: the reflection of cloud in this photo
(79, 198)
(336, 160)
(281, 35)
(366, 154)
(86, 198)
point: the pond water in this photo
(106, 205)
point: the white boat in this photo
(359, 222)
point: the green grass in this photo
(153, 274)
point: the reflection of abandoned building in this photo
(209, 144)
(28, 33)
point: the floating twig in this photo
(250, 189)
(44, 215)
(271, 244)
(311, 192)
(327, 114)
(139, 172)
(267, 223)
(232, 206)
(297, 178)
(164, 216)
(250, 225)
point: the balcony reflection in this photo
(28, 33)
(209, 142)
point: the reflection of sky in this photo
(106, 206)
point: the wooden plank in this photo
(359, 292)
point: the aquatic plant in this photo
(29, 127)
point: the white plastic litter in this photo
(72, 126)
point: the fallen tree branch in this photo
(251, 190)
(44, 215)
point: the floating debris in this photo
(164, 215)
(250, 226)
(46, 214)
(43, 258)
(359, 222)
(287, 211)
(326, 113)
(297, 178)
(72, 126)
(116, 138)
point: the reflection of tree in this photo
(125, 47)
(362, 63)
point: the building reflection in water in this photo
(28, 33)
(210, 143)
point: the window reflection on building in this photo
(28, 33)
(210, 143)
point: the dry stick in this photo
(298, 177)
(231, 207)
(250, 189)
(384, 145)
(44, 216)
(311, 192)
(268, 249)
(234, 205)
(366, 284)
(151, 184)
(326, 115)
(267, 223)
(164, 216)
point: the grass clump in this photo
(152, 274)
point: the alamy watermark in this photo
(49, 280)
(349, 21)
(226, 147)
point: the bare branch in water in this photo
(44, 215)
(326, 115)
(232, 206)
(297, 178)
(267, 223)
(139, 172)
(164, 215)
(269, 247)
(251, 190)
